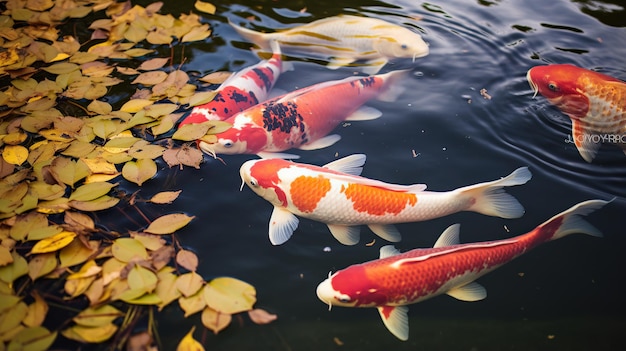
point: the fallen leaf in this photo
(139, 171)
(127, 249)
(188, 343)
(205, 7)
(165, 197)
(153, 64)
(229, 295)
(90, 334)
(53, 243)
(37, 311)
(189, 283)
(215, 320)
(260, 316)
(15, 154)
(169, 223)
(187, 260)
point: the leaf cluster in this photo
(65, 149)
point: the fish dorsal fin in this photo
(352, 164)
(388, 251)
(321, 142)
(449, 237)
(584, 142)
(294, 94)
(347, 235)
(469, 292)
(396, 319)
(364, 113)
(282, 225)
(386, 231)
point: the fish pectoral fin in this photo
(449, 237)
(266, 155)
(352, 164)
(321, 143)
(386, 231)
(364, 113)
(584, 142)
(282, 225)
(338, 62)
(347, 235)
(469, 292)
(396, 319)
(388, 251)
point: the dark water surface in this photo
(565, 295)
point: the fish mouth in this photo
(533, 85)
(206, 148)
(324, 286)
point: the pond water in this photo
(565, 295)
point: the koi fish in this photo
(336, 194)
(399, 279)
(241, 90)
(344, 39)
(303, 118)
(595, 102)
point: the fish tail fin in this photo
(262, 40)
(570, 221)
(393, 88)
(489, 198)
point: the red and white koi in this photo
(336, 195)
(241, 90)
(366, 44)
(595, 102)
(303, 118)
(399, 279)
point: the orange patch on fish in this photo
(306, 192)
(378, 201)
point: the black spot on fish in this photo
(282, 116)
(225, 110)
(253, 97)
(219, 98)
(267, 82)
(236, 97)
(367, 81)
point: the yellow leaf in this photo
(35, 338)
(140, 278)
(15, 154)
(76, 287)
(146, 299)
(99, 204)
(135, 105)
(140, 171)
(192, 131)
(127, 249)
(7, 301)
(202, 98)
(192, 304)
(76, 253)
(5, 256)
(164, 288)
(151, 242)
(153, 64)
(169, 223)
(215, 320)
(37, 312)
(61, 68)
(18, 268)
(14, 138)
(100, 107)
(90, 334)
(53, 243)
(165, 197)
(205, 7)
(229, 295)
(150, 78)
(100, 165)
(12, 317)
(89, 269)
(91, 191)
(42, 264)
(97, 316)
(189, 283)
(188, 343)
(197, 33)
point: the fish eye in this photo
(227, 143)
(553, 87)
(344, 299)
(253, 182)
(404, 46)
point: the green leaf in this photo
(127, 249)
(97, 316)
(141, 278)
(90, 334)
(229, 295)
(18, 268)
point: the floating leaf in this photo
(8, 301)
(18, 268)
(97, 316)
(88, 270)
(101, 203)
(12, 317)
(127, 249)
(90, 334)
(37, 312)
(164, 289)
(76, 253)
(216, 77)
(42, 264)
(260, 316)
(205, 7)
(162, 256)
(91, 191)
(140, 278)
(229, 295)
(53, 243)
(34, 338)
(188, 343)
(5, 256)
(187, 260)
(153, 64)
(169, 223)
(135, 105)
(202, 98)
(192, 304)
(150, 78)
(140, 171)
(15, 154)
(215, 320)
(192, 131)
(165, 197)
(197, 33)
(151, 242)
(189, 283)
(76, 287)
(61, 68)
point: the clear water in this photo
(565, 295)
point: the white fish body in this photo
(344, 39)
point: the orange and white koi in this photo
(336, 195)
(399, 279)
(303, 118)
(343, 40)
(595, 102)
(241, 90)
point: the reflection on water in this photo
(445, 133)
